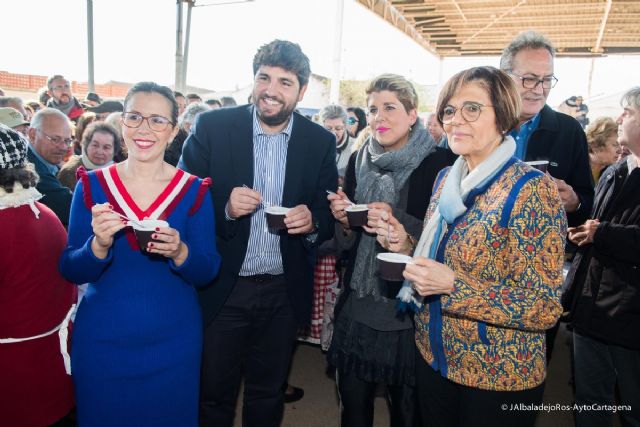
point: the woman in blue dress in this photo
(138, 332)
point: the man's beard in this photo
(60, 101)
(277, 119)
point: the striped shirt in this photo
(269, 166)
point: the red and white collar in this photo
(128, 205)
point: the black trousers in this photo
(253, 335)
(357, 401)
(444, 403)
(599, 367)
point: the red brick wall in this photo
(31, 83)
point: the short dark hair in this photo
(213, 101)
(103, 127)
(177, 94)
(25, 175)
(500, 87)
(228, 101)
(151, 87)
(55, 77)
(43, 95)
(283, 54)
(362, 118)
(194, 96)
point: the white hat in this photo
(11, 117)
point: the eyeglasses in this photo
(57, 140)
(156, 123)
(470, 112)
(352, 121)
(60, 87)
(334, 128)
(533, 82)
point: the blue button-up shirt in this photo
(269, 165)
(521, 136)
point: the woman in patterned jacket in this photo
(487, 270)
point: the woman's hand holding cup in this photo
(105, 224)
(168, 244)
(392, 235)
(339, 202)
(430, 277)
(376, 209)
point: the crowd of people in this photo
(159, 207)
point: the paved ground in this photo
(319, 407)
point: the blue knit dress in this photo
(137, 338)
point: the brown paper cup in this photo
(275, 217)
(357, 215)
(144, 229)
(391, 266)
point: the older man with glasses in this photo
(544, 134)
(50, 139)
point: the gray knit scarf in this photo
(380, 177)
(65, 108)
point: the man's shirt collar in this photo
(257, 127)
(50, 166)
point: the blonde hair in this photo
(362, 137)
(403, 89)
(600, 131)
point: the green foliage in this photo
(352, 93)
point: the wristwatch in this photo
(312, 236)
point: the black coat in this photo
(603, 297)
(560, 139)
(221, 147)
(56, 196)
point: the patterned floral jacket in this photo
(507, 251)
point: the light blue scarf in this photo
(457, 186)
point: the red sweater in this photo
(34, 299)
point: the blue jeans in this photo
(598, 367)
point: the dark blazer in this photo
(221, 147)
(604, 298)
(560, 139)
(56, 196)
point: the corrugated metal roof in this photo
(484, 27)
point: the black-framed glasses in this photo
(470, 112)
(156, 123)
(533, 82)
(57, 140)
(352, 121)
